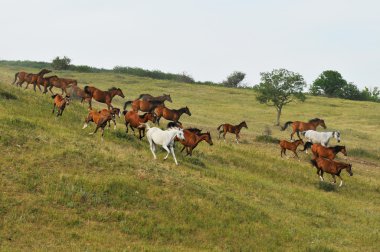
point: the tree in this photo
(351, 92)
(330, 83)
(234, 79)
(280, 87)
(61, 64)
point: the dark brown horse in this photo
(45, 81)
(134, 120)
(162, 98)
(327, 152)
(60, 103)
(292, 146)
(192, 139)
(332, 167)
(78, 92)
(144, 106)
(234, 129)
(103, 96)
(61, 83)
(170, 114)
(29, 78)
(298, 126)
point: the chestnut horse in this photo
(298, 126)
(234, 129)
(327, 152)
(107, 113)
(61, 83)
(78, 92)
(103, 96)
(170, 114)
(99, 118)
(332, 167)
(134, 120)
(144, 106)
(162, 98)
(192, 139)
(292, 146)
(60, 103)
(29, 78)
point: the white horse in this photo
(322, 138)
(165, 138)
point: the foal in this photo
(326, 152)
(98, 118)
(193, 138)
(61, 103)
(292, 146)
(332, 167)
(234, 129)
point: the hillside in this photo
(62, 189)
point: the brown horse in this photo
(192, 139)
(234, 129)
(78, 92)
(134, 120)
(61, 83)
(99, 118)
(326, 152)
(170, 114)
(332, 167)
(292, 146)
(144, 106)
(162, 98)
(29, 78)
(103, 96)
(298, 126)
(45, 81)
(60, 103)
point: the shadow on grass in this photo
(326, 186)
(7, 95)
(267, 139)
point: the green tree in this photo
(280, 87)
(234, 79)
(330, 83)
(61, 64)
(351, 92)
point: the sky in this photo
(208, 39)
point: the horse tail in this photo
(87, 90)
(307, 145)
(219, 126)
(53, 96)
(16, 75)
(140, 96)
(286, 125)
(126, 104)
(125, 111)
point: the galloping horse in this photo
(292, 146)
(112, 113)
(45, 82)
(98, 118)
(234, 129)
(144, 106)
(298, 126)
(61, 103)
(322, 138)
(165, 138)
(103, 96)
(192, 139)
(326, 152)
(170, 114)
(77, 91)
(61, 83)
(332, 167)
(134, 120)
(29, 78)
(162, 98)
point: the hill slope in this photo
(64, 189)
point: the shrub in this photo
(61, 64)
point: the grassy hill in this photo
(62, 189)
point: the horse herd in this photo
(154, 108)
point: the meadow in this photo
(62, 189)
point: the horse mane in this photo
(53, 76)
(143, 115)
(337, 148)
(113, 88)
(194, 130)
(314, 120)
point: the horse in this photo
(162, 98)
(322, 138)
(61, 83)
(326, 152)
(61, 103)
(170, 114)
(134, 120)
(77, 91)
(29, 78)
(192, 138)
(106, 113)
(144, 106)
(298, 126)
(45, 82)
(100, 119)
(292, 146)
(165, 138)
(103, 96)
(234, 129)
(332, 167)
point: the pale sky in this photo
(208, 39)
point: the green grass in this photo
(62, 189)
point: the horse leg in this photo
(183, 148)
(298, 134)
(133, 130)
(97, 127)
(172, 151)
(291, 135)
(281, 152)
(167, 149)
(102, 134)
(321, 176)
(224, 135)
(152, 148)
(126, 125)
(295, 154)
(53, 108)
(334, 180)
(89, 103)
(341, 180)
(114, 122)
(237, 137)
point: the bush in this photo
(234, 79)
(61, 64)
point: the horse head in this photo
(67, 99)
(244, 124)
(187, 111)
(349, 169)
(322, 123)
(336, 135)
(152, 117)
(168, 98)
(208, 138)
(180, 135)
(120, 93)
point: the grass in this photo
(62, 189)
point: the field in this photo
(62, 189)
